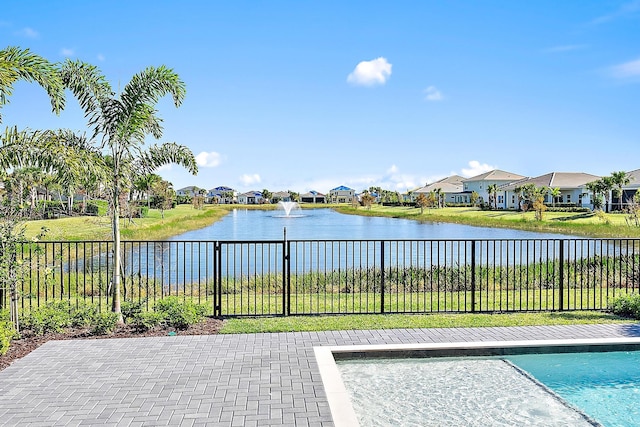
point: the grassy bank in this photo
(153, 227)
(397, 321)
(575, 223)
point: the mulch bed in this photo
(28, 342)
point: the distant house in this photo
(222, 195)
(452, 187)
(481, 183)
(313, 197)
(628, 191)
(250, 198)
(191, 190)
(342, 194)
(572, 186)
(280, 196)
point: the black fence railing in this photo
(301, 277)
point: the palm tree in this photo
(122, 122)
(555, 193)
(619, 180)
(493, 193)
(21, 64)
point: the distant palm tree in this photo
(555, 193)
(493, 193)
(21, 64)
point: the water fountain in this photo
(290, 209)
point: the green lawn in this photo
(577, 223)
(396, 321)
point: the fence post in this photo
(382, 276)
(286, 277)
(473, 276)
(217, 282)
(561, 277)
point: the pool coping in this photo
(339, 400)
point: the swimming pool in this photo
(506, 383)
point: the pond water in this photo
(244, 224)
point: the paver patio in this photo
(216, 380)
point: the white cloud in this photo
(626, 70)
(476, 168)
(626, 9)
(101, 57)
(208, 160)
(565, 48)
(67, 51)
(369, 73)
(250, 179)
(29, 33)
(393, 169)
(433, 94)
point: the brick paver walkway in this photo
(217, 380)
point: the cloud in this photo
(67, 51)
(626, 70)
(208, 160)
(101, 57)
(476, 168)
(393, 169)
(250, 179)
(626, 9)
(369, 73)
(433, 94)
(28, 33)
(565, 48)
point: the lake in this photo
(326, 224)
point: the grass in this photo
(153, 227)
(401, 321)
(575, 223)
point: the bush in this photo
(179, 314)
(626, 305)
(97, 207)
(105, 323)
(7, 332)
(146, 320)
(53, 317)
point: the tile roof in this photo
(495, 175)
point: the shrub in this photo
(131, 309)
(626, 305)
(146, 320)
(105, 323)
(179, 314)
(97, 207)
(7, 332)
(53, 317)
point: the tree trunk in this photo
(115, 222)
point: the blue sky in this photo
(306, 95)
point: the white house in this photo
(342, 194)
(313, 197)
(250, 198)
(572, 186)
(452, 187)
(191, 190)
(481, 183)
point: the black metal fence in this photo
(301, 277)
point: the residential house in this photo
(250, 198)
(628, 191)
(222, 195)
(191, 190)
(280, 196)
(452, 187)
(313, 197)
(342, 194)
(482, 182)
(572, 186)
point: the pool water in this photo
(578, 389)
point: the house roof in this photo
(451, 184)
(342, 188)
(189, 188)
(495, 175)
(634, 176)
(555, 180)
(252, 193)
(281, 194)
(312, 193)
(222, 188)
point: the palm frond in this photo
(164, 154)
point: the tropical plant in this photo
(474, 198)
(122, 122)
(492, 189)
(21, 64)
(619, 179)
(555, 193)
(422, 202)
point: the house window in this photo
(568, 198)
(513, 198)
(500, 199)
